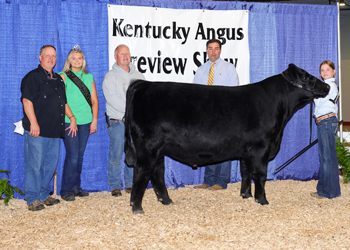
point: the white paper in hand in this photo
(19, 128)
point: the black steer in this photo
(200, 125)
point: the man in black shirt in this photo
(44, 100)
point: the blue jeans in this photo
(218, 174)
(73, 163)
(116, 149)
(40, 159)
(328, 183)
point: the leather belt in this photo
(324, 117)
(115, 119)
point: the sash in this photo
(84, 90)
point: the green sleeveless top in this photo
(76, 100)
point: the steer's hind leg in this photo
(246, 189)
(158, 182)
(142, 173)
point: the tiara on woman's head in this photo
(76, 47)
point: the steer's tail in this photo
(130, 151)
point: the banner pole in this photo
(55, 183)
(340, 113)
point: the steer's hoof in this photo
(246, 196)
(137, 211)
(166, 201)
(263, 202)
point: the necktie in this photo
(211, 75)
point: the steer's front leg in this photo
(246, 189)
(259, 177)
(260, 195)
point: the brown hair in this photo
(330, 64)
(214, 41)
(46, 46)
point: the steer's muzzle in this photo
(321, 89)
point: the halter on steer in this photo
(299, 85)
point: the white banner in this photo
(170, 44)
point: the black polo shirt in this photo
(49, 98)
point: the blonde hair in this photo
(330, 64)
(67, 64)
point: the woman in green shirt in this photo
(80, 120)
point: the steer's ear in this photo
(292, 66)
(293, 70)
(290, 74)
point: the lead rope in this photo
(310, 122)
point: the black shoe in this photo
(82, 194)
(116, 192)
(128, 190)
(70, 197)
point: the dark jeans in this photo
(218, 174)
(73, 164)
(328, 182)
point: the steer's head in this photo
(301, 79)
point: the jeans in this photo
(73, 163)
(40, 159)
(328, 183)
(218, 174)
(116, 149)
